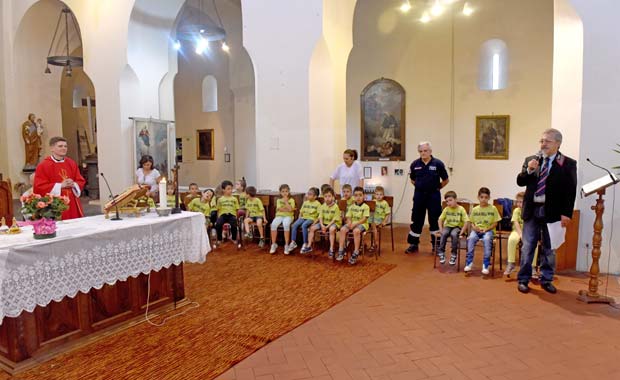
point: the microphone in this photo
(117, 217)
(613, 179)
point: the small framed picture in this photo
(367, 172)
(492, 133)
(384, 170)
(205, 144)
(226, 157)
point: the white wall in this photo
(418, 56)
(282, 102)
(600, 132)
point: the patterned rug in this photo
(247, 299)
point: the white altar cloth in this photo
(90, 252)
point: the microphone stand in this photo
(613, 179)
(176, 209)
(117, 217)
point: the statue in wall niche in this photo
(31, 134)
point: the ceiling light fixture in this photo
(225, 47)
(437, 9)
(68, 61)
(201, 45)
(425, 18)
(405, 7)
(467, 10)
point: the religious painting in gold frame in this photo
(205, 144)
(492, 137)
(382, 104)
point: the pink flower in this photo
(23, 198)
(41, 205)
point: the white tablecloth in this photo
(90, 252)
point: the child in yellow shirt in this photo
(330, 219)
(308, 215)
(483, 221)
(381, 214)
(227, 207)
(255, 215)
(451, 222)
(357, 221)
(285, 209)
(515, 236)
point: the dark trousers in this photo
(423, 201)
(223, 219)
(535, 229)
(213, 217)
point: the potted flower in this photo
(44, 211)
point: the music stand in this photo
(597, 186)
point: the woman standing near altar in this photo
(147, 175)
(349, 172)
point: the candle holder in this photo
(175, 171)
(163, 211)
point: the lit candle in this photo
(162, 193)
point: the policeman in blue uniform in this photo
(428, 175)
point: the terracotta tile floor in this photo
(420, 323)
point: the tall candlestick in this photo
(163, 202)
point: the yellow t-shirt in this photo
(254, 206)
(330, 214)
(484, 217)
(170, 199)
(310, 210)
(516, 216)
(227, 205)
(243, 198)
(382, 209)
(357, 212)
(280, 203)
(454, 217)
(197, 205)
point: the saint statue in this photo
(32, 141)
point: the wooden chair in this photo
(390, 201)
(500, 234)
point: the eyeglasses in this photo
(542, 141)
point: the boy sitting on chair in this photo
(256, 214)
(357, 221)
(483, 221)
(451, 223)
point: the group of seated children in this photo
(314, 216)
(482, 222)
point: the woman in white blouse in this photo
(350, 171)
(147, 175)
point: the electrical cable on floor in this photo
(402, 196)
(192, 305)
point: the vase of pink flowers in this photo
(44, 211)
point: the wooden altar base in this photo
(31, 338)
(584, 297)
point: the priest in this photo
(60, 175)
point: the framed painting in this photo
(383, 121)
(157, 139)
(492, 137)
(204, 144)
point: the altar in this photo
(90, 280)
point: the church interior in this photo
(268, 93)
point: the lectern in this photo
(596, 187)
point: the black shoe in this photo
(549, 288)
(523, 288)
(413, 248)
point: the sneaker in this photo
(287, 249)
(353, 258)
(291, 247)
(468, 267)
(340, 256)
(273, 248)
(305, 249)
(535, 274)
(261, 243)
(330, 254)
(442, 258)
(485, 269)
(453, 260)
(509, 269)
(248, 235)
(413, 248)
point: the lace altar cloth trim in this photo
(98, 252)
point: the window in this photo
(209, 94)
(79, 93)
(493, 68)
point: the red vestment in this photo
(50, 172)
